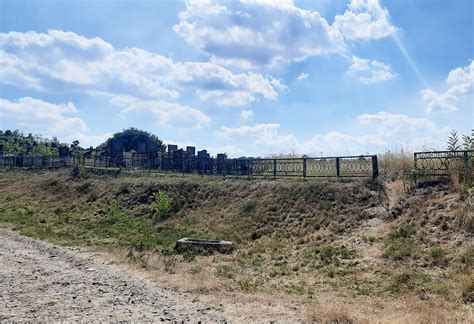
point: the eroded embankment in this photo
(304, 241)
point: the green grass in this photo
(226, 271)
(113, 228)
(401, 244)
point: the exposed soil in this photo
(39, 281)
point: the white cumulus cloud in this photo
(460, 83)
(369, 72)
(365, 19)
(167, 114)
(383, 131)
(256, 33)
(246, 114)
(302, 76)
(40, 116)
(58, 60)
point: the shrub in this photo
(368, 239)
(468, 293)
(295, 288)
(168, 257)
(196, 269)
(248, 207)
(400, 244)
(332, 254)
(410, 280)
(225, 271)
(468, 257)
(251, 284)
(436, 252)
(402, 232)
(399, 249)
(93, 195)
(113, 213)
(162, 204)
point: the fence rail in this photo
(444, 163)
(37, 162)
(339, 167)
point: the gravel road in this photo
(42, 282)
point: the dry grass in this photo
(335, 313)
(394, 165)
(298, 241)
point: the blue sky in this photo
(244, 77)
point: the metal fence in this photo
(337, 167)
(36, 162)
(444, 163)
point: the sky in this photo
(242, 77)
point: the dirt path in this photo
(39, 281)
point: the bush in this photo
(437, 253)
(168, 256)
(225, 271)
(468, 257)
(113, 213)
(468, 293)
(332, 254)
(402, 232)
(248, 207)
(409, 280)
(399, 249)
(400, 244)
(162, 204)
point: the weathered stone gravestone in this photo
(221, 161)
(178, 158)
(208, 245)
(191, 151)
(172, 148)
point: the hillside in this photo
(359, 250)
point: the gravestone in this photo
(191, 151)
(186, 244)
(178, 158)
(152, 149)
(63, 152)
(221, 159)
(172, 148)
(114, 148)
(204, 162)
(203, 154)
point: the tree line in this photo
(16, 142)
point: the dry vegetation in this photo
(359, 251)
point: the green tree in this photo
(468, 141)
(453, 141)
(132, 136)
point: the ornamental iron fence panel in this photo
(36, 162)
(445, 163)
(339, 167)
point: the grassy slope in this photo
(297, 238)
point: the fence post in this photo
(249, 169)
(274, 168)
(467, 173)
(375, 167)
(304, 168)
(338, 167)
